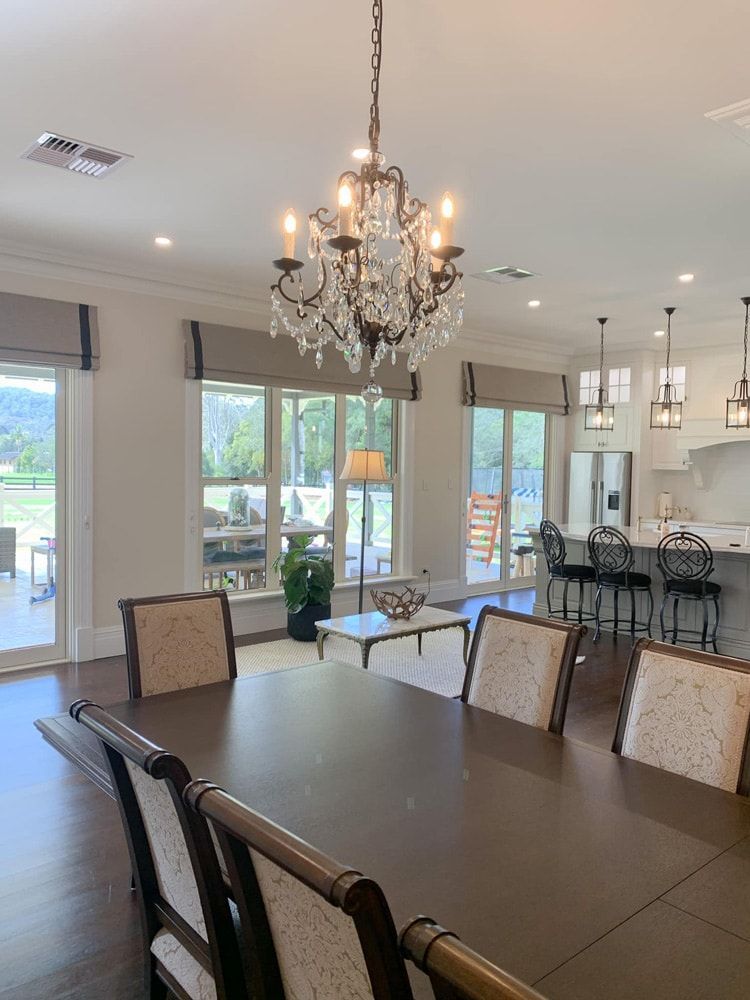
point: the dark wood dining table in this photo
(592, 876)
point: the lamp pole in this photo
(362, 547)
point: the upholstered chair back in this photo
(455, 971)
(177, 641)
(191, 942)
(688, 712)
(521, 667)
(322, 930)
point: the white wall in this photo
(140, 435)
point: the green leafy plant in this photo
(306, 579)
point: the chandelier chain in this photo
(375, 60)
(601, 356)
(668, 380)
(744, 366)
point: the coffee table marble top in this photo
(373, 625)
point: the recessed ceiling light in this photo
(534, 304)
(658, 333)
(162, 241)
(360, 153)
(685, 278)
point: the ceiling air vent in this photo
(502, 275)
(735, 118)
(71, 154)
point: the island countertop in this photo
(648, 538)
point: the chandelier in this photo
(599, 415)
(385, 276)
(738, 404)
(666, 409)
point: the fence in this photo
(30, 511)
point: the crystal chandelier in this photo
(738, 404)
(385, 277)
(599, 415)
(666, 409)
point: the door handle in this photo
(601, 501)
(593, 502)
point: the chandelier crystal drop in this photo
(384, 274)
(738, 404)
(599, 415)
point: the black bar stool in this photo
(686, 562)
(553, 544)
(612, 556)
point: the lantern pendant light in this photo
(666, 409)
(599, 415)
(738, 404)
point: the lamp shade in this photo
(364, 464)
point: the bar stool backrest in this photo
(684, 556)
(553, 544)
(610, 551)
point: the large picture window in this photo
(270, 461)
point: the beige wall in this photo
(139, 438)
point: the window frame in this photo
(594, 375)
(615, 388)
(272, 483)
(660, 374)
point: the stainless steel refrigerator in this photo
(599, 487)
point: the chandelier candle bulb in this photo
(290, 231)
(435, 242)
(446, 218)
(346, 211)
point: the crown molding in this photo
(36, 262)
(18, 259)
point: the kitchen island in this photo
(731, 572)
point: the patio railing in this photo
(31, 511)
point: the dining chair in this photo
(455, 971)
(612, 556)
(319, 928)
(177, 641)
(521, 666)
(191, 943)
(688, 712)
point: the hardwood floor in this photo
(68, 921)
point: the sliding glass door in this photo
(32, 618)
(505, 497)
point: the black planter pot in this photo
(301, 624)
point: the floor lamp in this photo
(366, 466)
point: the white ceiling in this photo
(572, 135)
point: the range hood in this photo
(697, 434)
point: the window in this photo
(261, 494)
(678, 377)
(370, 427)
(588, 382)
(619, 385)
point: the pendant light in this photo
(738, 404)
(666, 410)
(599, 415)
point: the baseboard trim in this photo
(108, 642)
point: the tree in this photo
(220, 417)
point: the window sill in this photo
(240, 597)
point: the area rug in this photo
(440, 668)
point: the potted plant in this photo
(307, 581)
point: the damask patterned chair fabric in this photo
(687, 714)
(196, 981)
(174, 873)
(516, 667)
(317, 946)
(178, 642)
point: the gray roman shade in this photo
(253, 357)
(515, 389)
(48, 332)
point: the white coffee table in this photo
(374, 627)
